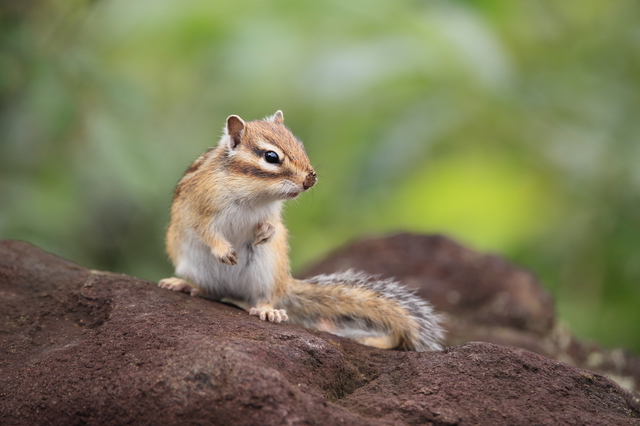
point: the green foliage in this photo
(512, 126)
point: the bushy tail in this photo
(361, 307)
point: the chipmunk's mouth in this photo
(292, 194)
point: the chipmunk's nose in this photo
(310, 180)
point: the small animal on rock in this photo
(227, 242)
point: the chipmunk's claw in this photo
(178, 284)
(270, 314)
(229, 258)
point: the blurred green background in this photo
(513, 127)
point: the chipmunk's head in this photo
(267, 157)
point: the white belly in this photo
(250, 280)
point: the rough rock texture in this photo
(485, 297)
(82, 347)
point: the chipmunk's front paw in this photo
(270, 314)
(264, 232)
(230, 257)
(178, 284)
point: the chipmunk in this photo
(227, 242)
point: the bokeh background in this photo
(511, 126)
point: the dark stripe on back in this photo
(194, 167)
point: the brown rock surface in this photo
(82, 347)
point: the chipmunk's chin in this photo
(291, 191)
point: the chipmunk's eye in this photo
(271, 157)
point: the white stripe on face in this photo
(270, 167)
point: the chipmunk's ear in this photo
(235, 130)
(277, 118)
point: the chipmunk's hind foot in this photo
(268, 313)
(178, 284)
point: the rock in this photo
(485, 298)
(84, 347)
